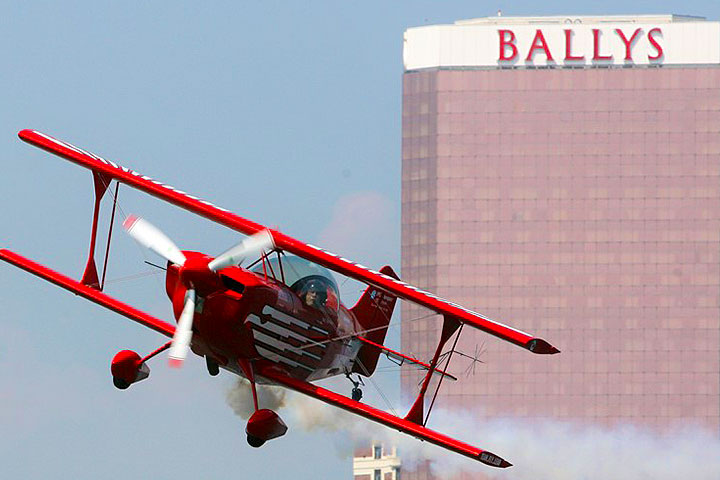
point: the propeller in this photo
(150, 237)
(183, 332)
(252, 246)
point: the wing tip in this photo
(25, 133)
(489, 458)
(542, 347)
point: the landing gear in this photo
(356, 393)
(212, 367)
(120, 383)
(127, 367)
(254, 441)
(264, 424)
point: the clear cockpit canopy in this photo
(314, 284)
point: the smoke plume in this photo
(539, 449)
(240, 399)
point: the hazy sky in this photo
(285, 112)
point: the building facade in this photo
(562, 175)
(379, 462)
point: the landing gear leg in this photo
(264, 424)
(356, 392)
(246, 367)
(212, 367)
(248, 371)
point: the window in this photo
(377, 476)
(377, 451)
(302, 276)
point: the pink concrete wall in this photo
(580, 205)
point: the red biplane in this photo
(278, 320)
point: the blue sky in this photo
(285, 112)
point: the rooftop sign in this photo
(564, 42)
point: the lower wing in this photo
(89, 293)
(411, 428)
(269, 372)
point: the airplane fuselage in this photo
(254, 317)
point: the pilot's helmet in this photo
(318, 288)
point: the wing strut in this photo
(107, 245)
(90, 275)
(416, 415)
(447, 364)
(101, 182)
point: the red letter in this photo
(538, 43)
(654, 43)
(509, 42)
(568, 47)
(628, 43)
(596, 47)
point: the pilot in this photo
(315, 295)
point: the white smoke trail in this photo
(553, 449)
(240, 399)
(539, 449)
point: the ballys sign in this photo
(597, 48)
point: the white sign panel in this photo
(562, 45)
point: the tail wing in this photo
(373, 312)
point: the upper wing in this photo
(379, 416)
(286, 243)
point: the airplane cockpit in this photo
(314, 284)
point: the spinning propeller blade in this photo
(250, 247)
(183, 332)
(150, 237)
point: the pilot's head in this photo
(314, 294)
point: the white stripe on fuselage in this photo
(287, 319)
(276, 357)
(282, 331)
(280, 345)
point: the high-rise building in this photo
(562, 175)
